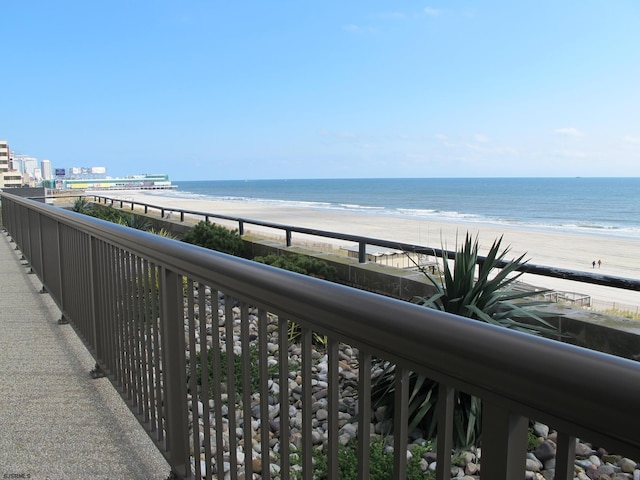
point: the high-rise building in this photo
(9, 177)
(4, 156)
(46, 170)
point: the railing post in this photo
(241, 227)
(565, 456)
(504, 443)
(445, 409)
(181, 215)
(288, 237)
(362, 252)
(175, 382)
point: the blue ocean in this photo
(594, 206)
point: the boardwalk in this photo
(55, 421)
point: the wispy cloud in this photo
(570, 154)
(432, 12)
(481, 138)
(569, 132)
(630, 139)
(358, 29)
(392, 15)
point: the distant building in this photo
(46, 170)
(133, 182)
(9, 176)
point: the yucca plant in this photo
(136, 221)
(81, 205)
(481, 290)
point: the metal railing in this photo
(542, 270)
(153, 310)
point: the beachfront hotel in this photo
(9, 176)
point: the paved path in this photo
(55, 421)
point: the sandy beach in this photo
(619, 256)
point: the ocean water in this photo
(594, 206)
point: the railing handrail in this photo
(541, 378)
(542, 270)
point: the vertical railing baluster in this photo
(175, 398)
(193, 380)
(446, 396)
(246, 389)
(157, 355)
(400, 422)
(283, 366)
(364, 414)
(565, 457)
(229, 321)
(264, 392)
(332, 380)
(204, 373)
(504, 442)
(148, 344)
(136, 322)
(216, 351)
(307, 444)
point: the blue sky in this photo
(324, 89)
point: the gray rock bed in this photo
(590, 464)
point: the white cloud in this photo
(358, 29)
(392, 15)
(433, 12)
(569, 131)
(570, 154)
(440, 136)
(481, 138)
(631, 139)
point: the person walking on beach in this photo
(593, 264)
(599, 263)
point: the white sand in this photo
(620, 257)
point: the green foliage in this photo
(488, 295)
(294, 332)
(301, 264)
(532, 441)
(109, 214)
(482, 293)
(215, 237)
(137, 221)
(81, 205)
(163, 232)
(380, 463)
(254, 372)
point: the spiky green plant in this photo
(481, 290)
(136, 221)
(81, 205)
(163, 232)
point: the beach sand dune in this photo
(619, 256)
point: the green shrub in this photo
(109, 214)
(254, 370)
(380, 463)
(215, 237)
(301, 264)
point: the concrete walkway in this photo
(55, 421)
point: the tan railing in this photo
(152, 310)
